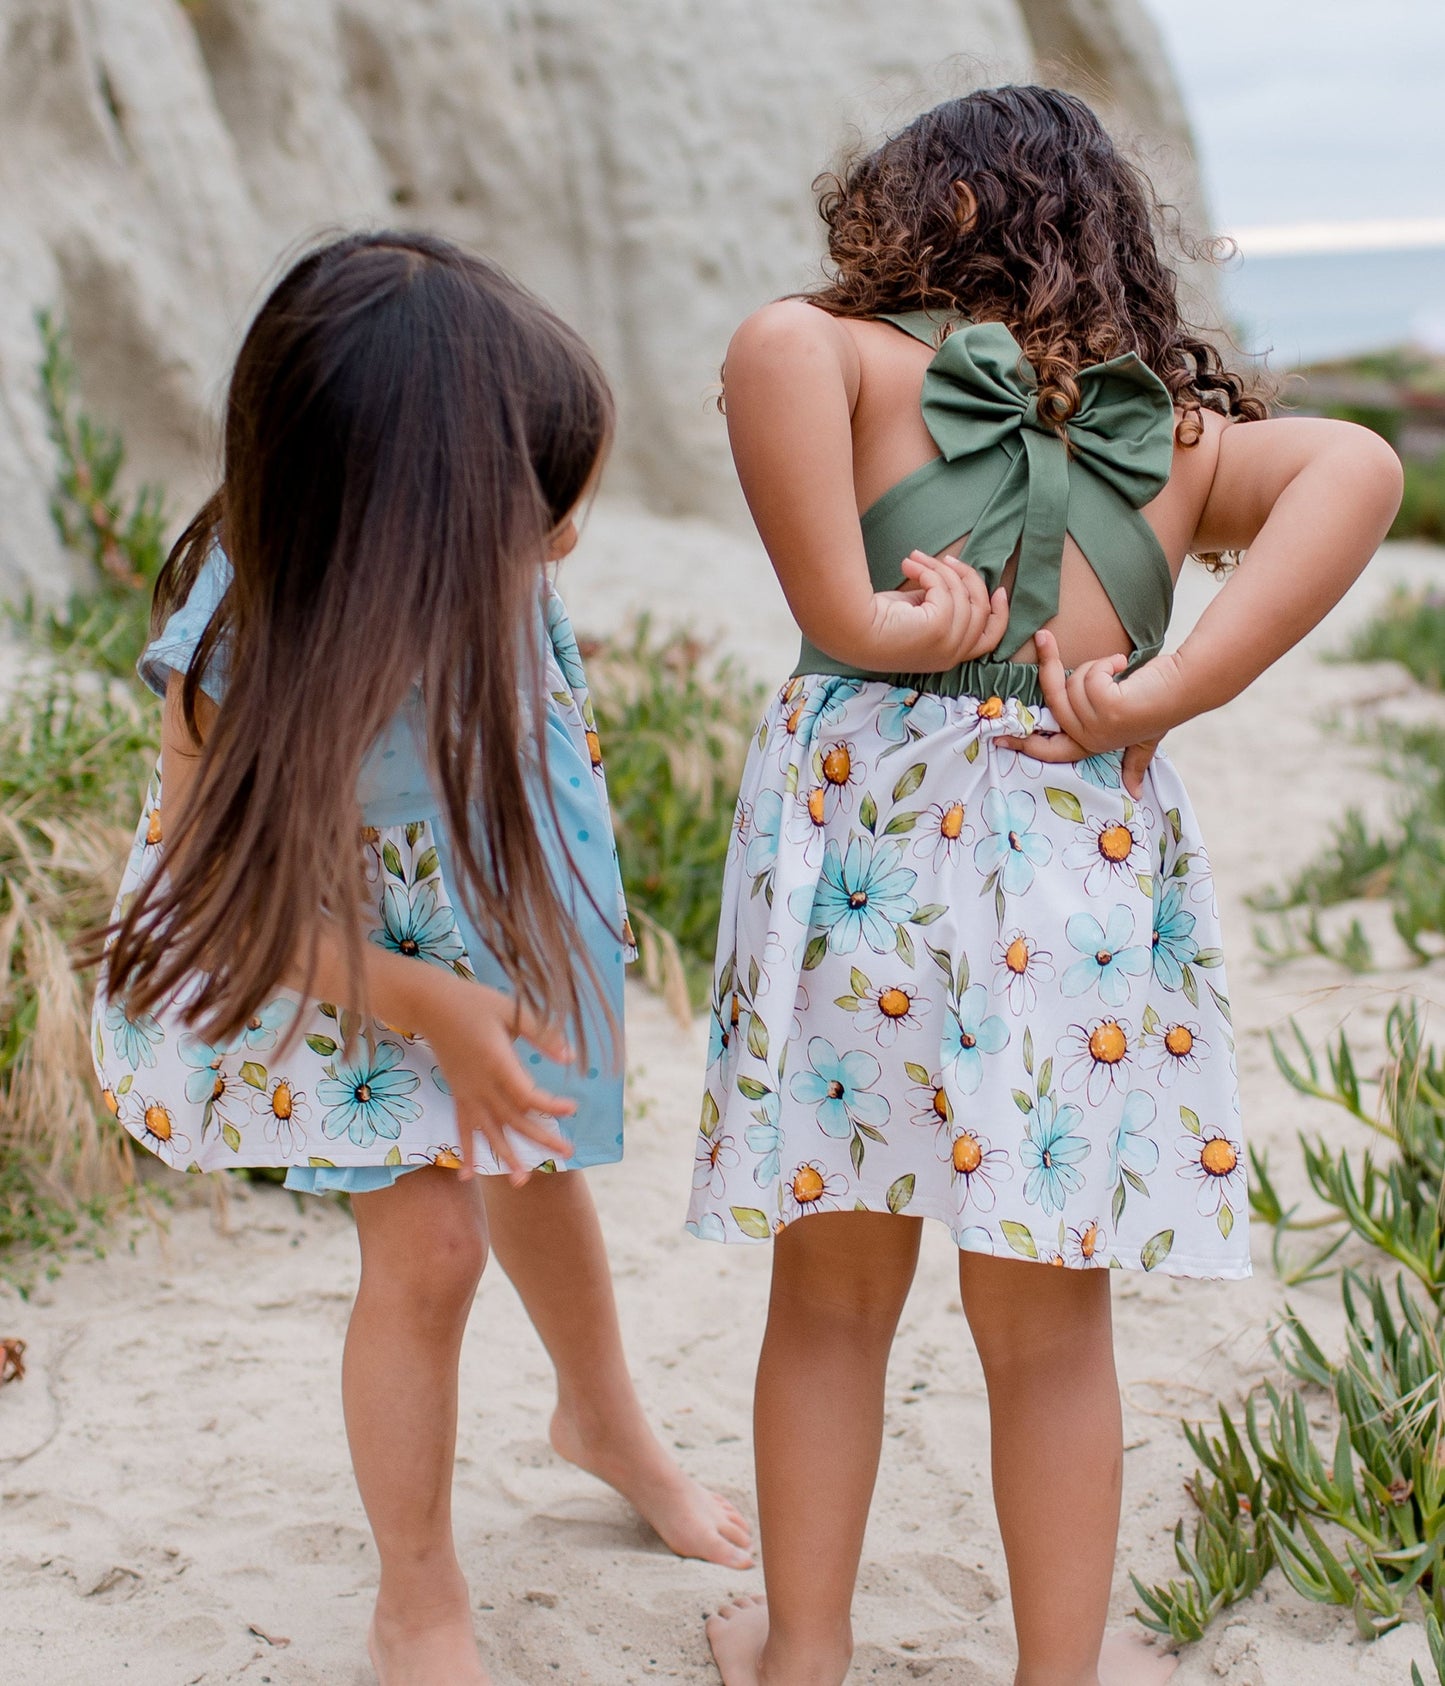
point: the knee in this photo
(437, 1265)
(1017, 1339)
(857, 1295)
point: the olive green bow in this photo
(980, 393)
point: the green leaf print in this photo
(322, 1045)
(1145, 881)
(413, 833)
(757, 1038)
(254, 1074)
(1189, 1119)
(99, 1047)
(1046, 1075)
(1023, 1100)
(1222, 1002)
(903, 943)
(1018, 1237)
(754, 977)
(231, 1136)
(1225, 1221)
(1151, 1021)
(126, 1084)
(710, 1114)
(321, 1164)
(1135, 1181)
(868, 813)
(327, 1009)
(814, 952)
(929, 913)
(963, 975)
(858, 982)
(855, 1153)
(944, 962)
(391, 859)
(910, 781)
(751, 1222)
(1209, 958)
(918, 1073)
(901, 824)
(1029, 1052)
(901, 1192)
(849, 1003)
(350, 1024)
(1116, 1205)
(872, 1134)
(427, 867)
(1176, 825)
(750, 1089)
(1065, 804)
(393, 1157)
(790, 780)
(970, 750)
(998, 904)
(1156, 1249)
(1191, 986)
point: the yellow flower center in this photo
(1016, 956)
(1108, 1043)
(158, 1122)
(283, 1102)
(952, 822)
(1089, 1240)
(807, 1184)
(218, 1088)
(894, 1003)
(940, 1103)
(967, 1154)
(837, 764)
(815, 805)
(1218, 1157)
(1179, 1040)
(446, 1159)
(594, 748)
(737, 1009)
(112, 1105)
(990, 708)
(793, 719)
(1115, 843)
(153, 826)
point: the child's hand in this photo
(472, 1029)
(944, 618)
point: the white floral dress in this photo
(280, 1093)
(954, 982)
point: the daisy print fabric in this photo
(956, 983)
(309, 1084)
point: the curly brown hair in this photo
(1013, 205)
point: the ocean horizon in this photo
(1314, 307)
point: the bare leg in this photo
(546, 1237)
(839, 1284)
(1045, 1339)
(423, 1246)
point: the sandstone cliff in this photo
(644, 163)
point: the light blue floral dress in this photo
(280, 1093)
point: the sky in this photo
(1313, 110)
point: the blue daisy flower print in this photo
(204, 1081)
(1051, 1152)
(1010, 847)
(901, 709)
(767, 824)
(135, 1039)
(420, 926)
(368, 1097)
(765, 1139)
(1132, 1147)
(970, 1033)
(1110, 959)
(1174, 942)
(863, 897)
(840, 1087)
(263, 1029)
(1104, 772)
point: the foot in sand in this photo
(737, 1635)
(1128, 1659)
(691, 1521)
(416, 1651)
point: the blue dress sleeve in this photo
(172, 649)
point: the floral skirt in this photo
(956, 983)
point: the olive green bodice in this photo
(1016, 486)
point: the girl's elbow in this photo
(1380, 473)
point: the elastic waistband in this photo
(969, 679)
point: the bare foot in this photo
(1128, 1659)
(417, 1651)
(691, 1521)
(737, 1634)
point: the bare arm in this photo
(792, 381)
(470, 1027)
(1310, 501)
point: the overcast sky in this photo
(1309, 110)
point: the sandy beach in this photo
(176, 1504)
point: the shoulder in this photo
(790, 333)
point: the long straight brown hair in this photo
(404, 427)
